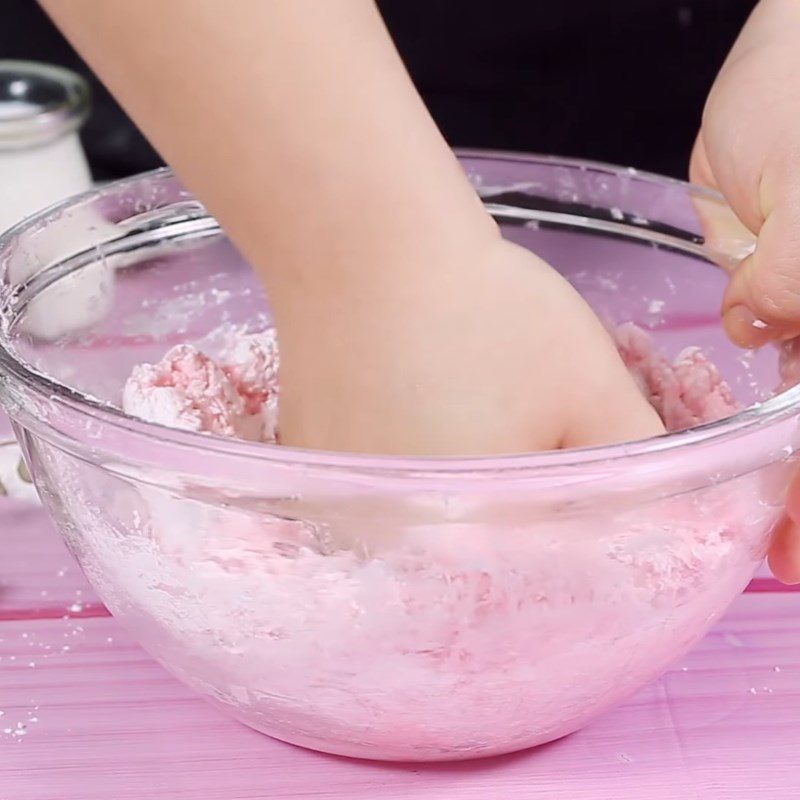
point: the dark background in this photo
(614, 80)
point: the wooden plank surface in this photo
(38, 577)
(88, 716)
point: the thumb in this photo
(726, 238)
(762, 301)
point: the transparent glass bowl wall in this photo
(393, 608)
(42, 108)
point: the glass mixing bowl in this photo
(393, 608)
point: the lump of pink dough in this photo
(186, 390)
(235, 395)
(687, 392)
(251, 364)
(704, 395)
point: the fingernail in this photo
(745, 329)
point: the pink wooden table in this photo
(86, 715)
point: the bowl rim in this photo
(751, 419)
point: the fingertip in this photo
(765, 286)
(784, 554)
(746, 330)
(750, 319)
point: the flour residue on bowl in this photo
(414, 627)
(418, 630)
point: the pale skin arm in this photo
(406, 324)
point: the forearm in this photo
(295, 121)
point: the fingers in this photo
(762, 302)
(727, 240)
(784, 555)
(750, 149)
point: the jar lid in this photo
(39, 103)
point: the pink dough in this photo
(686, 392)
(236, 393)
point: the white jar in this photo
(42, 162)
(42, 107)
